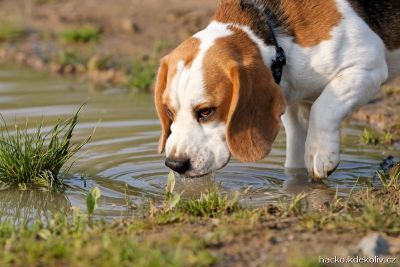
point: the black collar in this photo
(280, 58)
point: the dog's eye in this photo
(170, 114)
(205, 113)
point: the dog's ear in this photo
(254, 115)
(161, 85)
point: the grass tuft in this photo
(11, 31)
(210, 204)
(373, 138)
(295, 207)
(65, 58)
(84, 34)
(35, 160)
(142, 75)
(369, 137)
(390, 180)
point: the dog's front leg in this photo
(295, 121)
(351, 88)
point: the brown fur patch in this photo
(161, 111)
(187, 52)
(311, 21)
(239, 12)
(245, 94)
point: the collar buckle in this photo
(280, 58)
(278, 63)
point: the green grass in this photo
(46, 2)
(390, 179)
(373, 138)
(96, 63)
(80, 242)
(11, 31)
(369, 137)
(142, 75)
(35, 160)
(143, 72)
(70, 58)
(366, 209)
(210, 204)
(83, 34)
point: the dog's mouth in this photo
(195, 176)
(191, 175)
(208, 171)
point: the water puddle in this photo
(122, 160)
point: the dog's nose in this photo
(179, 165)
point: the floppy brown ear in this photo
(254, 116)
(161, 85)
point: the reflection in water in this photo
(121, 159)
(26, 206)
(318, 194)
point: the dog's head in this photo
(215, 97)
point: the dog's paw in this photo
(321, 158)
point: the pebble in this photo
(129, 26)
(373, 245)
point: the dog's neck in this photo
(258, 20)
(250, 13)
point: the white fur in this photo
(202, 143)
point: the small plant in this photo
(369, 137)
(46, 2)
(96, 63)
(11, 31)
(387, 138)
(91, 200)
(84, 34)
(210, 204)
(172, 199)
(390, 179)
(390, 90)
(297, 205)
(142, 75)
(66, 58)
(35, 160)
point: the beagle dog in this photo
(221, 92)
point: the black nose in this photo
(179, 165)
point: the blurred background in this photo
(71, 36)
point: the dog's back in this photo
(383, 17)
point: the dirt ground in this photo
(131, 27)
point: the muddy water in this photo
(122, 161)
